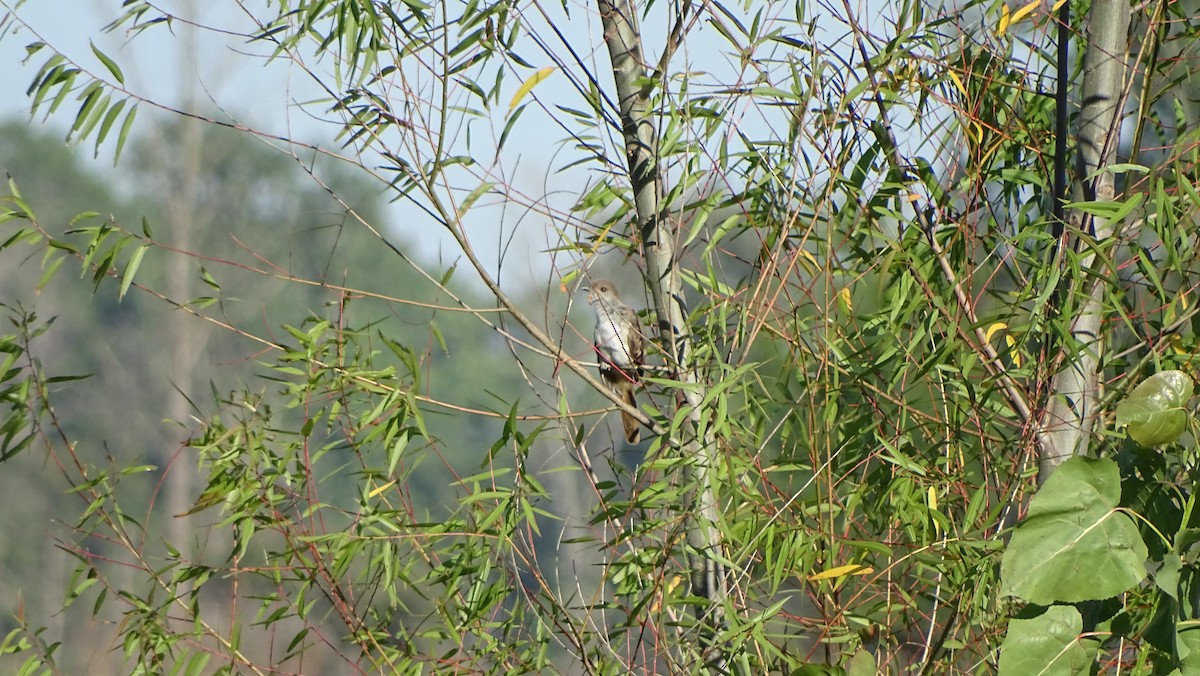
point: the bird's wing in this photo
(637, 342)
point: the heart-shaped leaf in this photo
(1074, 545)
(1047, 644)
(1155, 410)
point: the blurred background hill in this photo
(289, 248)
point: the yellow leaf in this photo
(957, 82)
(1025, 11)
(932, 501)
(1007, 20)
(842, 571)
(1176, 343)
(844, 299)
(670, 587)
(1009, 340)
(812, 261)
(991, 330)
(1012, 349)
(381, 489)
(529, 84)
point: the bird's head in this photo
(602, 290)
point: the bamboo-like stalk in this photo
(1075, 391)
(666, 286)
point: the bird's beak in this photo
(589, 293)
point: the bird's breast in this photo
(611, 343)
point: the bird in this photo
(621, 347)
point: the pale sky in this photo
(159, 66)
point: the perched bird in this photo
(621, 347)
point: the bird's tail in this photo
(633, 429)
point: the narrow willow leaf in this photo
(470, 199)
(1109, 210)
(135, 261)
(1005, 21)
(44, 75)
(49, 272)
(993, 329)
(94, 116)
(207, 278)
(43, 87)
(529, 84)
(108, 63)
(109, 118)
(68, 82)
(124, 132)
(842, 571)
(92, 94)
(376, 491)
(1024, 11)
(508, 127)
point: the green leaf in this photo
(108, 63)
(1075, 545)
(94, 115)
(1109, 209)
(91, 95)
(818, 670)
(862, 664)
(1188, 646)
(1155, 410)
(508, 127)
(124, 132)
(51, 72)
(470, 199)
(135, 261)
(49, 271)
(67, 84)
(1046, 644)
(109, 118)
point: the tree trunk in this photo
(666, 286)
(1074, 396)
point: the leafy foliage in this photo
(390, 473)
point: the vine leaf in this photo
(1155, 410)
(1046, 644)
(1075, 545)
